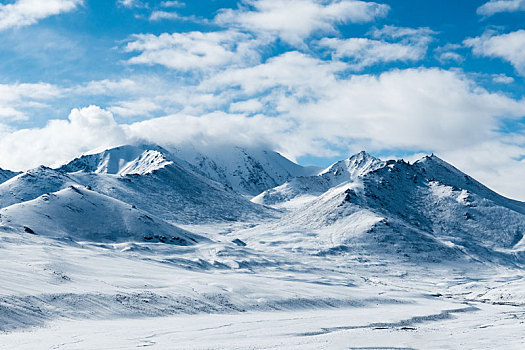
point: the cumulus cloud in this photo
(295, 20)
(411, 45)
(26, 12)
(194, 50)
(301, 105)
(413, 108)
(509, 47)
(60, 140)
(497, 6)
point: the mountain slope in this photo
(160, 183)
(146, 176)
(6, 175)
(338, 173)
(249, 171)
(32, 184)
(82, 214)
(456, 208)
(435, 168)
(123, 160)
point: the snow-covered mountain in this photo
(84, 215)
(428, 207)
(248, 171)
(428, 210)
(340, 172)
(145, 176)
(155, 180)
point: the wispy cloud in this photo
(509, 47)
(17, 98)
(159, 15)
(26, 12)
(175, 4)
(132, 3)
(410, 45)
(497, 6)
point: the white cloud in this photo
(248, 106)
(497, 6)
(194, 50)
(509, 47)
(16, 98)
(301, 105)
(176, 4)
(367, 52)
(495, 163)
(449, 56)
(61, 140)
(132, 3)
(423, 35)
(8, 112)
(141, 107)
(447, 53)
(431, 109)
(294, 71)
(411, 45)
(27, 12)
(502, 79)
(212, 128)
(160, 15)
(106, 87)
(295, 20)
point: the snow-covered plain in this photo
(144, 247)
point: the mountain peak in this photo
(353, 167)
(122, 160)
(248, 170)
(362, 155)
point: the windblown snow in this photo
(199, 248)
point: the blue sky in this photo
(314, 79)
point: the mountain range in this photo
(424, 210)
